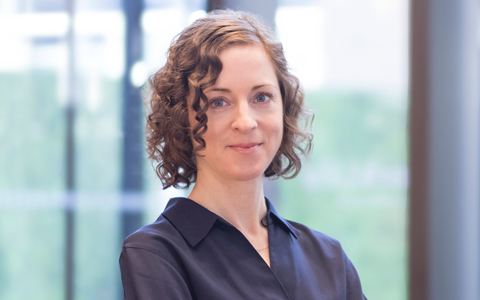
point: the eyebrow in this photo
(229, 91)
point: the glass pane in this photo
(99, 71)
(351, 57)
(32, 155)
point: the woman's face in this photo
(245, 117)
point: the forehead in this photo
(246, 64)
(244, 47)
(243, 50)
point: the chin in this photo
(247, 174)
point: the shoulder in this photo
(309, 235)
(157, 238)
(149, 266)
(324, 250)
(320, 245)
(156, 246)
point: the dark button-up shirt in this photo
(192, 253)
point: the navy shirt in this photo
(192, 253)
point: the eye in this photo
(262, 98)
(218, 103)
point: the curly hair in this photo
(193, 65)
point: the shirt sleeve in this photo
(354, 288)
(147, 276)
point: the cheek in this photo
(278, 121)
(275, 131)
(280, 133)
(280, 130)
(211, 136)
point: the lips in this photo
(245, 148)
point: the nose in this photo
(244, 119)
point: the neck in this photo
(242, 204)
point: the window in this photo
(352, 58)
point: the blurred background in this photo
(74, 178)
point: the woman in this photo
(224, 114)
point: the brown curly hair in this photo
(193, 65)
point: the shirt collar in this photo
(194, 221)
(272, 212)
